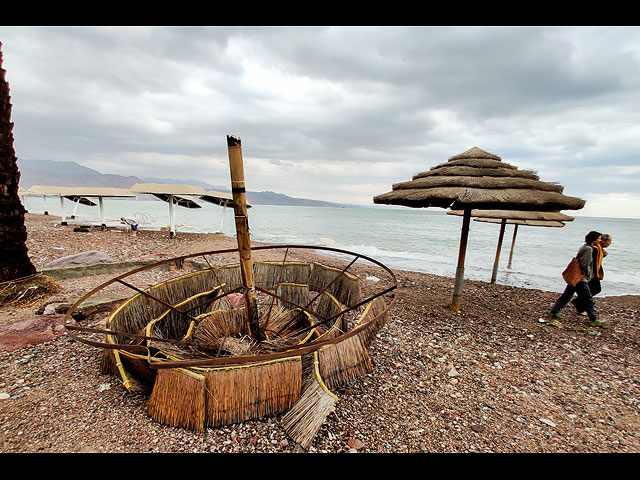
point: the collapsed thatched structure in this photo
(210, 358)
(476, 179)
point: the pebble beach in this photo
(498, 376)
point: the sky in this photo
(333, 113)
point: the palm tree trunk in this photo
(14, 261)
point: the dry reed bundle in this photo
(178, 399)
(238, 394)
(173, 325)
(373, 316)
(342, 285)
(477, 182)
(344, 362)
(465, 169)
(108, 362)
(292, 293)
(22, 291)
(215, 327)
(316, 402)
(269, 274)
(327, 306)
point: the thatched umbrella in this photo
(536, 219)
(476, 179)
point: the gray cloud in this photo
(331, 113)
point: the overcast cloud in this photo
(337, 114)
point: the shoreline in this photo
(494, 377)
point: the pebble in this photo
(546, 421)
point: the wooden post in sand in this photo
(464, 235)
(242, 231)
(513, 242)
(494, 274)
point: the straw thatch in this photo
(476, 179)
(516, 215)
(479, 180)
(531, 223)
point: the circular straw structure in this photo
(187, 342)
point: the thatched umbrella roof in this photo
(480, 180)
(476, 179)
(513, 215)
(535, 219)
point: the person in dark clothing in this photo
(595, 288)
(585, 259)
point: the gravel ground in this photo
(497, 376)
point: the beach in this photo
(497, 376)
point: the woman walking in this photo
(585, 259)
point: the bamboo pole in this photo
(242, 232)
(494, 274)
(464, 235)
(513, 242)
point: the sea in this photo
(418, 240)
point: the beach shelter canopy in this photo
(22, 192)
(512, 215)
(167, 189)
(81, 195)
(503, 217)
(222, 199)
(174, 194)
(185, 201)
(476, 179)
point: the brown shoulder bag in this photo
(573, 273)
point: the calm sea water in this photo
(420, 240)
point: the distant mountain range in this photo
(72, 174)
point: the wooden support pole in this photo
(62, 215)
(242, 232)
(494, 274)
(464, 235)
(513, 242)
(102, 221)
(172, 218)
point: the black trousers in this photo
(594, 287)
(584, 297)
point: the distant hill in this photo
(72, 174)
